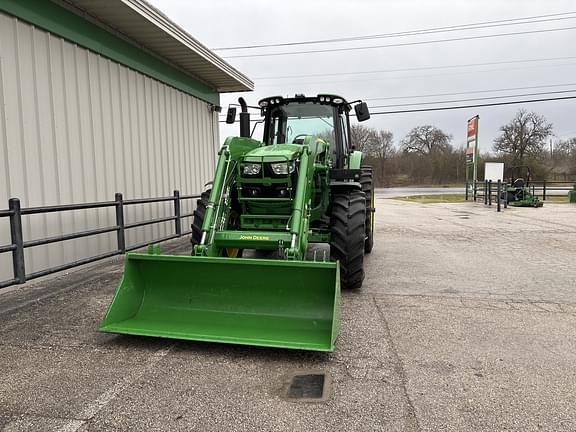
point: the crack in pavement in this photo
(105, 398)
(398, 365)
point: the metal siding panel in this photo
(62, 163)
(159, 187)
(49, 174)
(98, 150)
(198, 160)
(107, 144)
(119, 155)
(76, 127)
(5, 183)
(181, 141)
(165, 139)
(29, 133)
(135, 154)
(75, 190)
(189, 165)
(151, 160)
(86, 142)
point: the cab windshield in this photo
(291, 123)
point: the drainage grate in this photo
(310, 386)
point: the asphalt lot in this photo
(466, 322)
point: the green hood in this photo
(274, 153)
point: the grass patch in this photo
(433, 199)
(456, 198)
(556, 199)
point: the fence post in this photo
(544, 191)
(499, 191)
(490, 192)
(466, 185)
(17, 238)
(120, 222)
(177, 221)
(475, 189)
(485, 192)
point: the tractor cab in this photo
(327, 117)
(292, 120)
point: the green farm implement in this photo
(303, 183)
(518, 193)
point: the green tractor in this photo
(517, 193)
(252, 278)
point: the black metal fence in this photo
(18, 244)
(491, 192)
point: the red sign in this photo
(472, 127)
(469, 155)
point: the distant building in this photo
(98, 97)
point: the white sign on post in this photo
(494, 171)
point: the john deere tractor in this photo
(303, 183)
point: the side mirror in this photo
(362, 112)
(231, 115)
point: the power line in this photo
(427, 42)
(459, 27)
(469, 92)
(468, 100)
(416, 68)
(460, 106)
(475, 99)
(472, 106)
(419, 76)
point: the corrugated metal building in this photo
(98, 97)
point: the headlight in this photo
(251, 168)
(283, 168)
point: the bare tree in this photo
(359, 136)
(426, 140)
(566, 148)
(564, 158)
(377, 145)
(380, 146)
(524, 136)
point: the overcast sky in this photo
(235, 23)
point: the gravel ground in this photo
(466, 322)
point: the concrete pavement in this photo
(466, 321)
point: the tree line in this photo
(426, 155)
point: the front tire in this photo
(198, 220)
(348, 230)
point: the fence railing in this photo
(19, 244)
(490, 191)
(543, 187)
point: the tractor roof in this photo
(324, 99)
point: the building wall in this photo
(77, 127)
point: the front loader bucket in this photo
(275, 303)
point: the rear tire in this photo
(366, 180)
(348, 230)
(198, 220)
